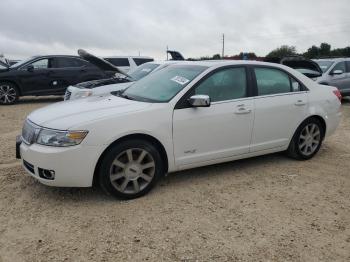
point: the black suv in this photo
(45, 75)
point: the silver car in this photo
(336, 72)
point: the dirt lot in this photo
(268, 208)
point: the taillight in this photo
(338, 94)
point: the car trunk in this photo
(305, 66)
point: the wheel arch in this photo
(315, 116)
(14, 83)
(142, 136)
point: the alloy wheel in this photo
(7, 94)
(132, 170)
(310, 138)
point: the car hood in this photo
(175, 55)
(102, 82)
(69, 114)
(100, 63)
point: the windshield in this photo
(163, 85)
(22, 62)
(325, 65)
(143, 70)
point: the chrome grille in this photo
(29, 132)
(67, 95)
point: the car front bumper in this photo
(60, 166)
(18, 144)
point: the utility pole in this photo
(223, 46)
(167, 55)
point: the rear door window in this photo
(68, 62)
(273, 81)
(348, 66)
(118, 61)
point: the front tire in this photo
(307, 140)
(9, 93)
(130, 169)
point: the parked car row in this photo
(51, 75)
(88, 75)
(105, 86)
(336, 72)
(184, 115)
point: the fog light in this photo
(46, 174)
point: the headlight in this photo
(50, 137)
(82, 94)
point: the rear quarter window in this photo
(68, 62)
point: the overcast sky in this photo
(193, 27)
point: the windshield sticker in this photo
(147, 70)
(180, 80)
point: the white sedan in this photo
(184, 116)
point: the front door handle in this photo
(241, 109)
(300, 103)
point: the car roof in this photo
(141, 57)
(215, 63)
(49, 56)
(166, 62)
(334, 59)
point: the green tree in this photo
(325, 49)
(282, 51)
(312, 52)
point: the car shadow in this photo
(181, 178)
(40, 99)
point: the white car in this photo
(105, 86)
(184, 116)
(128, 63)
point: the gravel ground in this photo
(268, 208)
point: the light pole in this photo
(223, 46)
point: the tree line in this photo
(314, 52)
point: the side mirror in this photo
(30, 68)
(337, 72)
(199, 101)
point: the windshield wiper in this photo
(126, 96)
(121, 94)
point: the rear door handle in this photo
(300, 103)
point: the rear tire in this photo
(9, 93)
(307, 140)
(130, 169)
